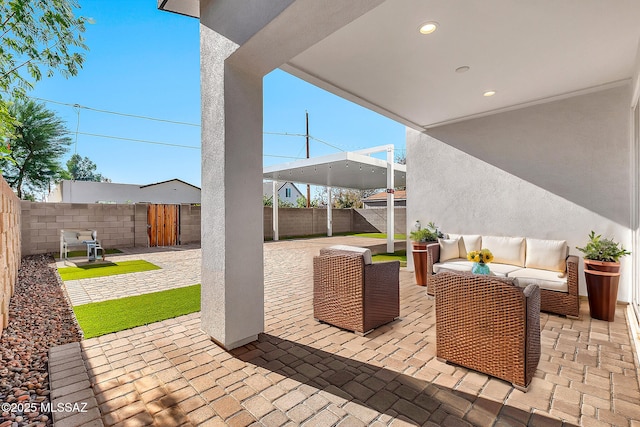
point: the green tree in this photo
(38, 140)
(268, 201)
(301, 202)
(347, 199)
(83, 169)
(36, 37)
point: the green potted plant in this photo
(421, 238)
(602, 274)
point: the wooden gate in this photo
(163, 223)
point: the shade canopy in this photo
(342, 170)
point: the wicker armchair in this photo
(487, 324)
(352, 295)
(564, 303)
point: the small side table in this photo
(93, 249)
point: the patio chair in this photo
(488, 324)
(351, 292)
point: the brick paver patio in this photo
(301, 372)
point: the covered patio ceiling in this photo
(341, 170)
(527, 52)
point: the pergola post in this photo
(329, 214)
(274, 211)
(390, 202)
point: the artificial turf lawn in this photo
(100, 318)
(396, 256)
(381, 235)
(105, 269)
(73, 254)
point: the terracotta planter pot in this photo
(420, 262)
(609, 267)
(602, 288)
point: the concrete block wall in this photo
(305, 222)
(375, 220)
(301, 222)
(10, 248)
(140, 233)
(121, 226)
(190, 224)
(42, 222)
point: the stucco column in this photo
(240, 42)
(232, 226)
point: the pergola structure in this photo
(352, 170)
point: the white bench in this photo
(79, 238)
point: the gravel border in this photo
(40, 317)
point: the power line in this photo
(283, 157)
(326, 143)
(117, 113)
(167, 144)
(78, 107)
(305, 135)
(138, 140)
(284, 134)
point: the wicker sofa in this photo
(487, 324)
(545, 263)
(351, 292)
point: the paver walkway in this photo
(301, 372)
(179, 267)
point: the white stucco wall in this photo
(556, 170)
(170, 192)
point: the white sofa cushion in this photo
(461, 264)
(467, 243)
(506, 250)
(502, 269)
(366, 253)
(547, 254)
(448, 249)
(549, 280)
(457, 264)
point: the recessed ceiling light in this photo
(489, 93)
(463, 69)
(428, 27)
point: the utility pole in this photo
(307, 134)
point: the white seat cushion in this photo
(549, 280)
(448, 249)
(467, 243)
(502, 269)
(456, 264)
(506, 250)
(366, 253)
(547, 254)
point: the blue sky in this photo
(145, 62)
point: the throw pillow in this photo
(547, 254)
(505, 250)
(467, 243)
(448, 249)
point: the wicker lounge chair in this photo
(487, 324)
(353, 294)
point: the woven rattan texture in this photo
(565, 303)
(487, 324)
(354, 296)
(560, 302)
